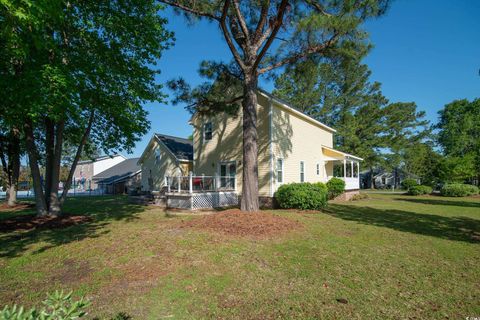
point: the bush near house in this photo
(408, 183)
(458, 190)
(419, 190)
(304, 196)
(335, 187)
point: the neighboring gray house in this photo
(122, 178)
(86, 169)
(385, 179)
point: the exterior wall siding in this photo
(294, 139)
(226, 145)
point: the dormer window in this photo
(207, 131)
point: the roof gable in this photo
(181, 148)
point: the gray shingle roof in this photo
(118, 172)
(181, 148)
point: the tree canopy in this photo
(73, 72)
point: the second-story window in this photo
(207, 131)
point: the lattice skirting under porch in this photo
(203, 200)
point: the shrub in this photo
(56, 306)
(458, 190)
(359, 196)
(335, 187)
(408, 183)
(419, 190)
(304, 196)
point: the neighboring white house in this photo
(86, 169)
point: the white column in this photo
(344, 169)
(179, 183)
(168, 184)
(190, 183)
(351, 172)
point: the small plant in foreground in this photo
(336, 187)
(304, 196)
(57, 306)
(419, 190)
(458, 190)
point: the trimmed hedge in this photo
(419, 190)
(408, 183)
(458, 190)
(304, 196)
(335, 188)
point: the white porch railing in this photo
(351, 183)
(196, 184)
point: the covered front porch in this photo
(342, 165)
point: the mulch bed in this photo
(29, 222)
(237, 223)
(18, 207)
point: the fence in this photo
(29, 194)
(197, 184)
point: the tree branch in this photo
(226, 34)
(262, 20)
(85, 136)
(241, 21)
(190, 10)
(317, 6)
(278, 24)
(299, 55)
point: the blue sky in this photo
(425, 51)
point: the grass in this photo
(389, 257)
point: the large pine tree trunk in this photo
(250, 148)
(40, 203)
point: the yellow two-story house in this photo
(292, 147)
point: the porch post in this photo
(190, 183)
(179, 183)
(168, 184)
(351, 164)
(344, 169)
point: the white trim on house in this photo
(346, 155)
(270, 141)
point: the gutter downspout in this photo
(270, 133)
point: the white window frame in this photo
(281, 170)
(205, 131)
(302, 166)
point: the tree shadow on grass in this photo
(451, 228)
(101, 210)
(441, 202)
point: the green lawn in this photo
(390, 257)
